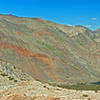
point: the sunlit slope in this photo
(49, 51)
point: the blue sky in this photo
(69, 12)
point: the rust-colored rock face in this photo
(43, 32)
(48, 51)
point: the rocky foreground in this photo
(15, 85)
(34, 90)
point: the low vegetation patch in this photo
(79, 86)
(11, 78)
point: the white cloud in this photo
(94, 18)
(69, 25)
(88, 26)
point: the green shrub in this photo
(15, 81)
(22, 79)
(85, 95)
(44, 86)
(3, 74)
(11, 78)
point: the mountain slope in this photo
(48, 51)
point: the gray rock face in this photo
(12, 72)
